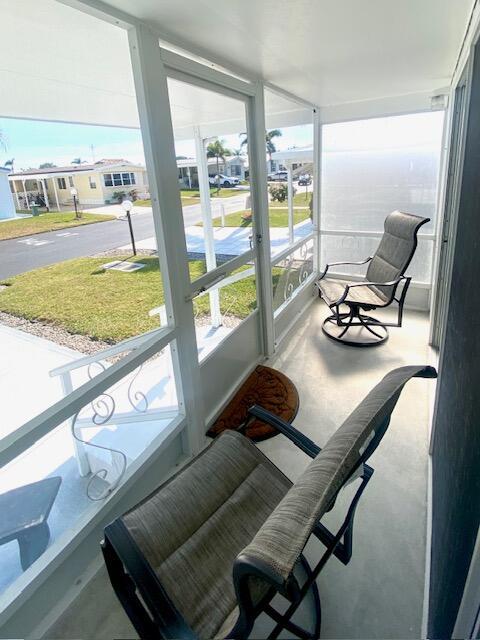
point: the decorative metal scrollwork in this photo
(103, 407)
(101, 473)
(138, 400)
(298, 266)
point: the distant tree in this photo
(219, 151)
(269, 144)
(47, 165)
(237, 153)
(181, 158)
(78, 161)
(9, 163)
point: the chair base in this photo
(355, 329)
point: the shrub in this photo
(279, 192)
(118, 196)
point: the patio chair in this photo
(385, 272)
(204, 554)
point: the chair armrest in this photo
(299, 439)
(368, 284)
(281, 539)
(337, 264)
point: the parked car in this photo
(304, 180)
(278, 176)
(223, 181)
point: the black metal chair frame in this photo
(354, 317)
(153, 614)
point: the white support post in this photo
(25, 194)
(79, 448)
(261, 224)
(158, 141)
(189, 176)
(45, 193)
(16, 194)
(291, 233)
(206, 207)
(56, 192)
(317, 188)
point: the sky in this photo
(31, 142)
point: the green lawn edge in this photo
(47, 222)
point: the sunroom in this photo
(382, 124)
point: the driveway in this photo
(23, 254)
(191, 213)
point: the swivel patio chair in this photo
(204, 555)
(385, 272)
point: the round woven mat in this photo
(268, 388)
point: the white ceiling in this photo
(57, 63)
(61, 64)
(326, 51)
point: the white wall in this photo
(7, 205)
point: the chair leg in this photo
(367, 327)
(338, 327)
(284, 620)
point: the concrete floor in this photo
(379, 594)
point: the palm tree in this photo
(219, 151)
(269, 144)
(77, 161)
(271, 148)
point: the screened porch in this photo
(234, 286)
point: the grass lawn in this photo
(193, 197)
(277, 217)
(47, 222)
(83, 298)
(299, 200)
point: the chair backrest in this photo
(280, 541)
(395, 250)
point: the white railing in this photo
(139, 349)
(355, 234)
(368, 234)
(297, 266)
(104, 409)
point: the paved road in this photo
(23, 254)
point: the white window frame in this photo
(107, 177)
(131, 181)
(91, 182)
(62, 184)
(150, 65)
(70, 182)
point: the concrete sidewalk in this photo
(232, 240)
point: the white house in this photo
(7, 206)
(95, 183)
(234, 166)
